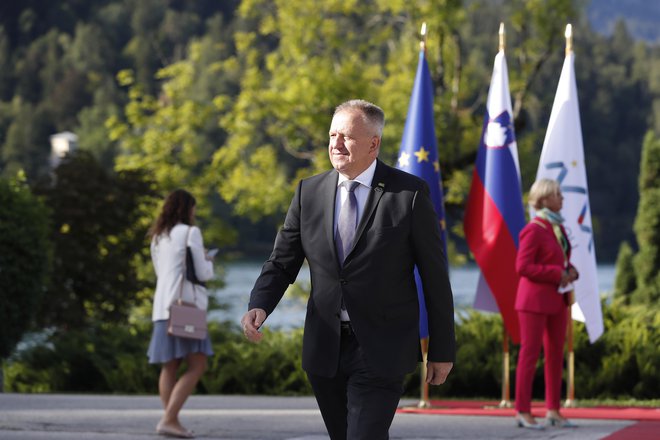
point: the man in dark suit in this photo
(363, 227)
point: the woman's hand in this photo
(565, 279)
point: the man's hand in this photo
(437, 372)
(251, 322)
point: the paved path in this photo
(94, 417)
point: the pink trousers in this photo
(537, 329)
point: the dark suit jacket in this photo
(398, 230)
(540, 263)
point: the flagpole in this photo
(570, 382)
(424, 401)
(506, 379)
(506, 384)
(422, 41)
(569, 39)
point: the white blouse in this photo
(168, 253)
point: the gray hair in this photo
(371, 113)
(541, 189)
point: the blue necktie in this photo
(347, 222)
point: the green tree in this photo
(614, 75)
(5, 66)
(295, 60)
(624, 282)
(98, 231)
(264, 75)
(647, 225)
(26, 146)
(25, 253)
(173, 137)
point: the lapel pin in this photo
(380, 186)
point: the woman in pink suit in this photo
(543, 265)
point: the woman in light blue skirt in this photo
(171, 234)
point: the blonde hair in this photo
(541, 189)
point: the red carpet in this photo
(638, 431)
(647, 427)
(485, 408)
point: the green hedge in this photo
(621, 364)
(112, 359)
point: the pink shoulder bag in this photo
(186, 320)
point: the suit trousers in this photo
(537, 329)
(356, 404)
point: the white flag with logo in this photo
(562, 159)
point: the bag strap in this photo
(183, 274)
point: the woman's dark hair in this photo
(177, 209)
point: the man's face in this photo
(353, 143)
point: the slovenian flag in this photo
(418, 155)
(562, 159)
(494, 214)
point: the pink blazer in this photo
(540, 263)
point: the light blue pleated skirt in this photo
(165, 347)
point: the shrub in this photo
(111, 358)
(624, 361)
(102, 359)
(274, 366)
(24, 261)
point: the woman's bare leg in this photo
(182, 390)
(167, 380)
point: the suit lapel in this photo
(329, 191)
(377, 187)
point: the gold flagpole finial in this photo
(569, 38)
(502, 36)
(422, 42)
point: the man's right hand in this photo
(251, 322)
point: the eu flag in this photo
(418, 155)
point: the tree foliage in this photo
(233, 99)
(98, 235)
(622, 363)
(624, 281)
(647, 225)
(634, 336)
(25, 253)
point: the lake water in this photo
(290, 313)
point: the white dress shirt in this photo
(361, 194)
(168, 253)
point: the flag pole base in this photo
(505, 404)
(424, 404)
